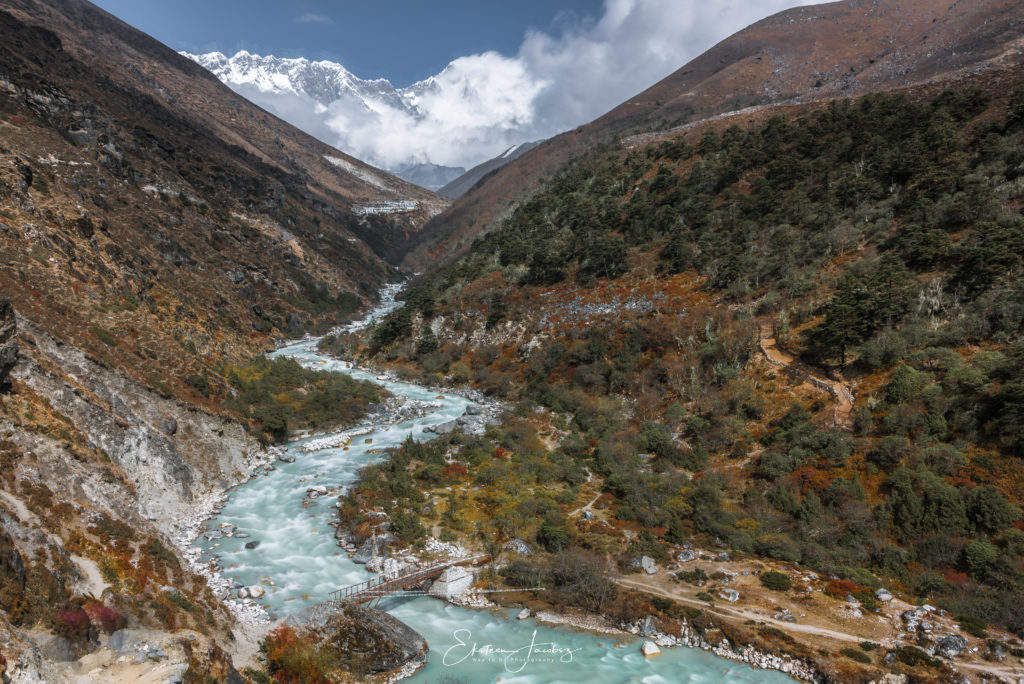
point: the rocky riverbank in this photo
(188, 528)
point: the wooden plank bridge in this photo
(382, 585)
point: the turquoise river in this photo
(298, 554)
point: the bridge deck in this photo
(382, 585)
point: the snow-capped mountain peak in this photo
(323, 81)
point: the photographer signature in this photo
(465, 648)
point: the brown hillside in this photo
(146, 210)
(801, 55)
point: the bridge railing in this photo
(385, 584)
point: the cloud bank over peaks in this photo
(481, 104)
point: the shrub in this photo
(105, 618)
(973, 625)
(257, 676)
(778, 546)
(854, 654)
(295, 658)
(841, 588)
(692, 576)
(913, 656)
(72, 624)
(104, 336)
(979, 556)
(776, 581)
(906, 383)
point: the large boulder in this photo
(645, 563)
(360, 640)
(8, 344)
(374, 547)
(950, 646)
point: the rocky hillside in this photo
(800, 55)
(156, 233)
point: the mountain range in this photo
(303, 92)
(287, 85)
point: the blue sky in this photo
(401, 40)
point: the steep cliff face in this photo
(172, 454)
(8, 343)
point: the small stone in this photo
(256, 591)
(650, 649)
(686, 555)
(316, 491)
(253, 544)
(730, 595)
(523, 614)
(519, 547)
(884, 595)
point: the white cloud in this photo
(481, 104)
(310, 18)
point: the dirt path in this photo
(92, 579)
(737, 613)
(842, 414)
(579, 511)
(1006, 672)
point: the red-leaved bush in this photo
(454, 471)
(840, 588)
(72, 624)
(104, 618)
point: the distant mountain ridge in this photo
(458, 187)
(323, 81)
(269, 81)
(264, 79)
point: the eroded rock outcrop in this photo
(8, 344)
(362, 641)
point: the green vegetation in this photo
(776, 581)
(881, 238)
(854, 654)
(279, 395)
(104, 336)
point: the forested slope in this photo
(880, 240)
